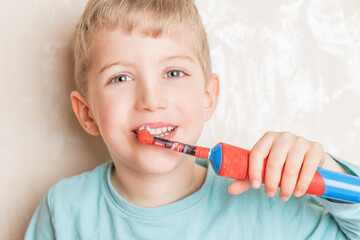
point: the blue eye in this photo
(121, 78)
(174, 74)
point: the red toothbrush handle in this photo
(235, 164)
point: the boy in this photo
(147, 62)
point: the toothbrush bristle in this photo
(143, 127)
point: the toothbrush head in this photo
(144, 135)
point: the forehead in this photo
(113, 42)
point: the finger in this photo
(256, 158)
(239, 186)
(275, 162)
(312, 159)
(292, 168)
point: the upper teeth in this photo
(162, 131)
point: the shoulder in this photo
(67, 202)
(77, 189)
(83, 181)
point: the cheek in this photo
(111, 114)
(113, 125)
(191, 105)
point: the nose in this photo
(151, 97)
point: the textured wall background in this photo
(284, 64)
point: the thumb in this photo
(239, 186)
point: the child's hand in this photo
(284, 151)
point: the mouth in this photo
(159, 131)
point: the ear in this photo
(83, 113)
(212, 90)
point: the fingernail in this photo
(270, 194)
(255, 184)
(283, 198)
(297, 193)
(229, 189)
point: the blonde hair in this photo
(152, 18)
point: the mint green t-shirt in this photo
(86, 206)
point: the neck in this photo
(156, 190)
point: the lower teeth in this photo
(164, 134)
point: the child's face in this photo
(135, 80)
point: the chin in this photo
(162, 163)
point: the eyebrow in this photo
(113, 64)
(178, 57)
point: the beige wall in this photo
(284, 65)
